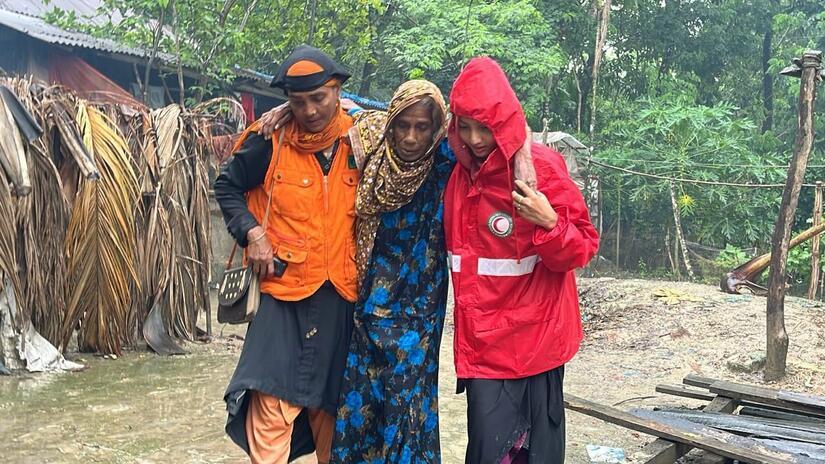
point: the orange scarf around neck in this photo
(309, 142)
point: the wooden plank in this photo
(762, 395)
(750, 426)
(661, 450)
(698, 381)
(761, 411)
(721, 443)
(749, 408)
(803, 449)
(684, 392)
(813, 401)
(815, 427)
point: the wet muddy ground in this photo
(142, 408)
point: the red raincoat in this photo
(516, 304)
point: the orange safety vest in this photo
(311, 221)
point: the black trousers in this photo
(501, 411)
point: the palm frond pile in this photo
(104, 217)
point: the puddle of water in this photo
(138, 409)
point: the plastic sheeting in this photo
(88, 82)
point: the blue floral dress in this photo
(388, 410)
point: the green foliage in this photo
(731, 257)
(433, 39)
(671, 137)
(682, 90)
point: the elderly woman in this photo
(513, 250)
(389, 404)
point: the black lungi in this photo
(295, 351)
(499, 412)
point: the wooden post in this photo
(821, 287)
(777, 337)
(815, 243)
(618, 224)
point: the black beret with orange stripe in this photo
(306, 69)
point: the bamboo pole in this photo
(777, 337)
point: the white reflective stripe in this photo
(507, 267)
(454, 262)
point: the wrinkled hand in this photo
(274, 119)
(534, 206)
(259, 253)
(347, 104)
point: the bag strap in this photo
(269, 198)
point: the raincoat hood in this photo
(482, 92)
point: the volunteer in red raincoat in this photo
(513, 251)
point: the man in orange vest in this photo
(283, 395)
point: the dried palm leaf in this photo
(42, 222)
(200, 215)
(146, 152)
(220, 117)
(49, 214)
(100, 242)
(181, 192)
(168, 126)
(8, 255)
(228, 110)
(181, 313)
(71, 139)
(12, 154)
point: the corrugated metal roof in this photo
(40, 7)
(85, 10)
(25, 16)
(41, 30)
(253, 75)
(563, 137)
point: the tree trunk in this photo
(601, 38)
(366, 80)
(137, 77)
(669, 254)
(227, 7)
(313, 17)
(767, 80)
(181, 88)
(815, 244)
(369, 66)
(153, 55)
(578, 101)
(677, 265)
(679, 234)
(618, 226)
(777, 337)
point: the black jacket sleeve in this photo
(244, 171)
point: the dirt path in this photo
(143, 408)
(633, 341)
